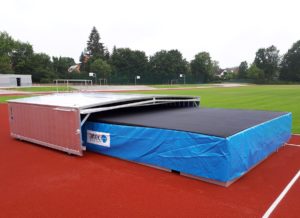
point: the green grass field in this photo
(270, 97)
(43, 89)
(180, 85)
(3, 99)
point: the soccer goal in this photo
(72, 82)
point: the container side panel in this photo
(190, 153)
(46, 125)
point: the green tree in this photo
(202, 67)
(20, 57)
(101, 68)
(94, 46)
(41, 68)
(7, 45)
(14, 55)
(61, 66)
(267, 59)
(242, 71)
(5, 65)
(126, 64)
(215, 69)
(106, 54)
(290, 65)
(165, 66)
(256, 74)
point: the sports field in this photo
(269, 97)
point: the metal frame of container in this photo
(55, 120)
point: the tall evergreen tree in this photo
(114, 50)
(106, 54)
(94, 46)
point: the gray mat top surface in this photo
(208, 121)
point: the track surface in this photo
(40, 182)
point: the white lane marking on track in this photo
(293, 145)
(280, 197)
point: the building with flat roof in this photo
(15, 80)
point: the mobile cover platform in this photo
(168, 132)
(214, 144)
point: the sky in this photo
(230, 30)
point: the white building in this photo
(15, 80)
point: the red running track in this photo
(295, 140)
(290, 205)
(40, 182)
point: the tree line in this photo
(268, 66)
(19, 58)
(123, 65)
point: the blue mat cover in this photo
(211, 157)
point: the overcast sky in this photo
(230, 30)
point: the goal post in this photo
(72, 82)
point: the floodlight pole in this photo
(135, 78)
(182, 75)
(91, 74)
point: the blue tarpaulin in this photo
(201, 155)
